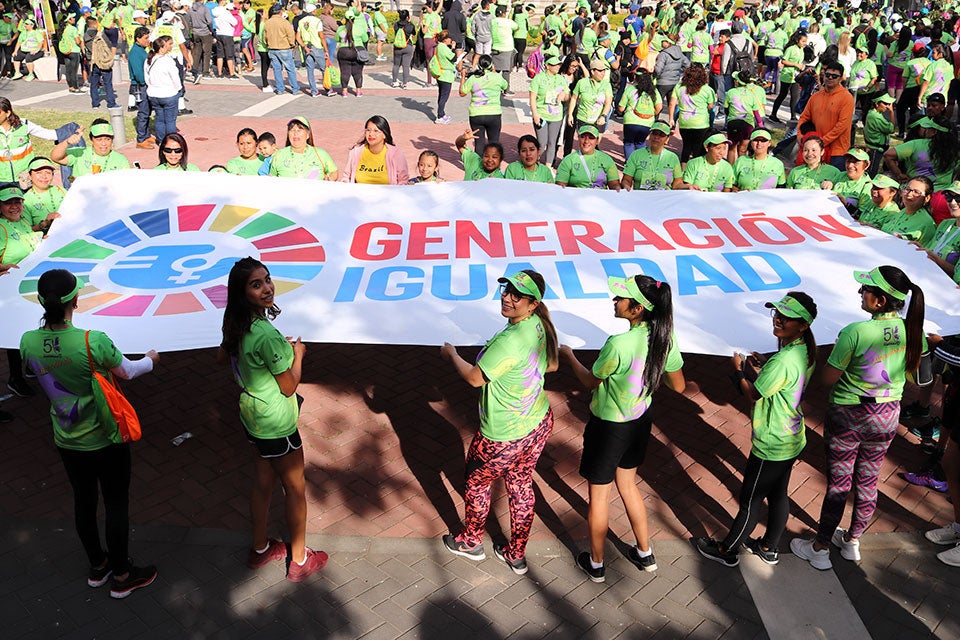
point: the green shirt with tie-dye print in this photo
(872, 356)
(778, 428)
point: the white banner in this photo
(418, 265)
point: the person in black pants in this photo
(778, 431)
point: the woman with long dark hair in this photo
(898, 53)
(695, 99)
(790, 65)
(173, 154)
(640, 106)
(404, 40)
(268, 368)
(347, 44)
(515, 417)
(16, 149)
(573, 72)
(934, 155)
(163, 85)
(64, 358)
(866, 370)
(375, 159)
(484, 85)
(776, 386)
(624, 377)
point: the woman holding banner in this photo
(515, 417)
(628, 370)
(300, 159)
(866, 370)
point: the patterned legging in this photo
(514, 461)
(857, 438)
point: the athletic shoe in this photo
(196, 79)
(403, 86)
(509, 93)
(944, 535)
(395, 84)
(444, 120)
(775, 119)
(925, 480)
(848, 550)
(29, 374)
(648, 563)
(459, 549)
(595, 575)
(381, 58)
(98, 577)
(29, 77)
(137, 578)
(316, 560)
(268, 90)
(928, 430)
(519, 567)
(20, 387)
(17, 76)
(710, 549)
(914, 410)
(804, 550)
(770, 556)
(359, 93)
(184, 112)
(950, 557)
(276, 550)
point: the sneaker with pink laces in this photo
(276, 550)
(316, 560)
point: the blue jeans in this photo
(315, 59)
(634, 137)
(332, 48)
(166, 115)
(98, 76)
(143, 111)
(282, 60)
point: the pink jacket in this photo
(397, 171)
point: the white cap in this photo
(168, 16)
(309, 8)
(897, 26)
(139, 14)
(229, 6)
(895, 17)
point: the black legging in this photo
(763, 479)
(907, 101)
(693, 143)
(488, 130)
(519, 46)
(351, 69)
(443, 94)
(110, 469)
(264, 67)
(793, 89)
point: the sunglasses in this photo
(950, 196)
(507, 290)
(172, 150)
(832, 76)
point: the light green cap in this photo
(300, 119)
(886, 98)
(886, 182)
(859, 154)
(589, 129)
(523, 283)
(660, 127)
(761, 133)
(715, 139)
(875, 279)
(954, 187)
(102, 129)
(627, 288)
(11, 193)
(789, 307)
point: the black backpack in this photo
(741, 60)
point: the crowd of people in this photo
(704, 72)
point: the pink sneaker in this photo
(277, 550)
(316, 560)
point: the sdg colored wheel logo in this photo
(176, 261)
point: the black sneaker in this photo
(644, 564)
(710, 549)
(29, 374)
(137, 578)
(98, 577)
(460, 549)
(770, 556)
(519, 567)
(20, 387)
(914, 410)
(595, 575)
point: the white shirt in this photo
(163, 77)
(223, 21)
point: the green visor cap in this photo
(300, 120)
(589, 129)
(791, 308)
(886, 182)
(715, 139)
(40, 163)
(887, 98)
(70, 295)
(553, 60)
(660, 127)
(11, 193)
(627, 288)
(858, 154)
(875, 279)
(953, 188)
(102, 129)
(761, 133)
(523, 283)
(927, 123)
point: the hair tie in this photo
(658, 284)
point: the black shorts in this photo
(739, 131)
(951, 410)
(225, 47)
(761, 53)
(608, 446)
(28, 57)
(953, 92)
(275, 447)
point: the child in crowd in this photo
(428, 168)
(266, 147)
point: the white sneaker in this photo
(848, 550)
(817, 559)
(268, 89)
(950, 557)
(944, 535)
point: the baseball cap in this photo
(40, 163)
(660, 127)
(140, 14)
(884, 181)
(599, 65)
(523, 283)
(553, 60)
(589, 129)
(858, 154)
(886, 98)
(954, 187)
(13, 192)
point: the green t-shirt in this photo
(588, 42)
(652, 172)
(919, 226)
(31, 41)
(18, 239)
(876, 130)
(913, 71)
(917, 161)
(541, 173)
(244, 167)
(938, 74)
(701, 48)
(448, 66)
(485, 93)
(592, 171)
(59, 359)
(751, 174)
(68, 41)
(877, 216)
(776, 41)
(862, 74)
(853, 192)
(513, 402)
(778, 428)
(473, 167)
(792, 54)
(548, 88)
(313, 164)
(501, 34)
(590, 98)
(638, 108)
(37, 205)
(872, 356)
(264, 353)
(802, 177)
(85, 162)
(621, 396)
(709, 177)
(694, 109)
(946, 241)
(741, 103)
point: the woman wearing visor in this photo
(628, 370)
(515, 417)
(866, 370)
(776, 386)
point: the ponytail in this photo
(811, 343)
(52, 286)
(914, 321)
(544, 313)
(661, 328)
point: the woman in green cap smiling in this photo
(943, 248)
(548, 92)
(515, 417)
(300, 159)
(99, 157)
(866, 370)
(41, 202)
(624, 377)
(882, 204)
(854, 187)
(758, 169)
(935, 156)
(588, 168)
(710, 172)
(776, 386)
(653, 167)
